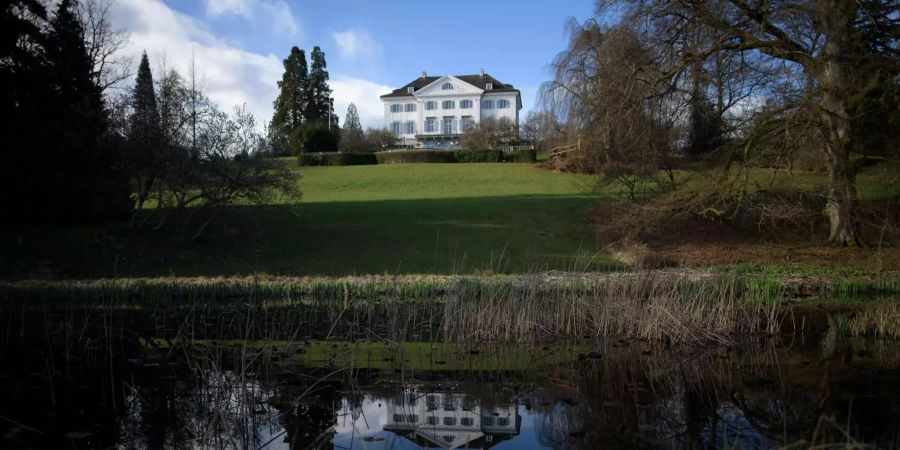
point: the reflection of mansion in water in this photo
(448, 420)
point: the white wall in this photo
(461, 91)
(510, 113)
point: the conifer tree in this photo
(319, 94)
(86, 178)
(351, 121)
(352, 137)
(145, 146)
(291, 103)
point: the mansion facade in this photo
(434, 112)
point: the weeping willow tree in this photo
(605, 88)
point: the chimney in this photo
(424, 74)
(482, 71)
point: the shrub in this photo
(415, 156)
(479, 156)
(523, 156)
(336, 159)
(313, 137)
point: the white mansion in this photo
(433, 112)
(449, 420)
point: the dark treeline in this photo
(77, 151)
(61, 162)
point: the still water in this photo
(72, 380)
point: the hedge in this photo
(522, 156)
(478, 156)
(415, 156)
(336, 159)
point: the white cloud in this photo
(273, 14)
(225, 7)
(229, 75)
(362, 93)
(356, 45)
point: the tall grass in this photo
(671, 308)
(676, 307)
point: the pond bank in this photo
(675, 307)
(427, 286)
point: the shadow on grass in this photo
(455, 235)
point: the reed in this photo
(878, 319)
(671, 308)
(676, 307)
(407, 287)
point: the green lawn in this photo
(404, 218)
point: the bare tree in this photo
(104, 43)
(606, 87)
(489, 134)
(839, 46)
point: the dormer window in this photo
(447, 87)
(410, 90)
(488, 86)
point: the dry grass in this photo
(671, 308)
(881, 320)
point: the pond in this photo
(80, 376)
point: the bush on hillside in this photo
(415, 156)
(336, 159)
(521, 156)
(478, 156)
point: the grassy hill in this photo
(405, 218)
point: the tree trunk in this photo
(836, 21)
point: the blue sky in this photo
(370, 46)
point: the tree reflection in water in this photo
(620, 395)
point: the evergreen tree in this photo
(352, 137)
(85, 176)
(291, 104)
(351, 121)
(706, 132)
(23, 71)
(318, 107)
(145, 146)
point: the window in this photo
(410, 90)
(487, 104)
(448, 104)
(465, 123)
(396, 108)
(503, 421)
(466, 421)
(448, 125)
(410, 107)
(410, 128)
(430, 127)
(489, 86)
(450, 421)
(487, 421)
(398, 418)
(449, 404)
(429, 105)
(448, 438)
(465, 104)
(447, 87)
(502, 104)
(432, 420)
(395, 127)
(412, 418)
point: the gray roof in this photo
(478, 81)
